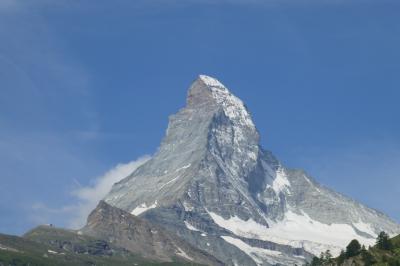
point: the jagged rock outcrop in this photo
(141, 237)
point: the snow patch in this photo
(191, 227)
(259, 255)
(143, 208)
(187, 206)
(212, 82)
(233, 107)
(170, 181)
(183, 167)
(366, 228)
(252, 155)
(52, 251)
(312, 185)
(183, 254)
(281, 183)
(296, 230)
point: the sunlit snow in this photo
(295, 230)
(191, 227)
(52, 251)
(183, 167)
(143, 208)
(281, 182)
(212, 82)
(183, 254)
(364, 227)
(259, 255)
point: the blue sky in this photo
(88, 85)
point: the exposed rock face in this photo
(71, 241)
(214, 186)
(139, 236)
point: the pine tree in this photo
(383, 241)
(353, 249)
(328, 254)
(367, 258)
(316, 262)
(341, 258)
(322, 257)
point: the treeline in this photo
(385, 252)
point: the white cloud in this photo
(88, 197)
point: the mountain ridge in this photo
(140, 236)
(211, 171)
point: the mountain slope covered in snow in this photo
(212, 184)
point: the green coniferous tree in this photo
(366, 257)
(341, 258)
(383, 241)
(328, 256)
(353, 249)
(316, 262)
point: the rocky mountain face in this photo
(111, 237)
(64, 240)
(213, 185)
(139, 236)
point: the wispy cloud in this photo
(87, 197)
(90, 196)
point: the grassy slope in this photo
(388, 257)
(72, 249)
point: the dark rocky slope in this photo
(141, 237)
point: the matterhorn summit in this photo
(214, 186)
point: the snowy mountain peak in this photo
(211, 82)
(211, 182)
(207, 91)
